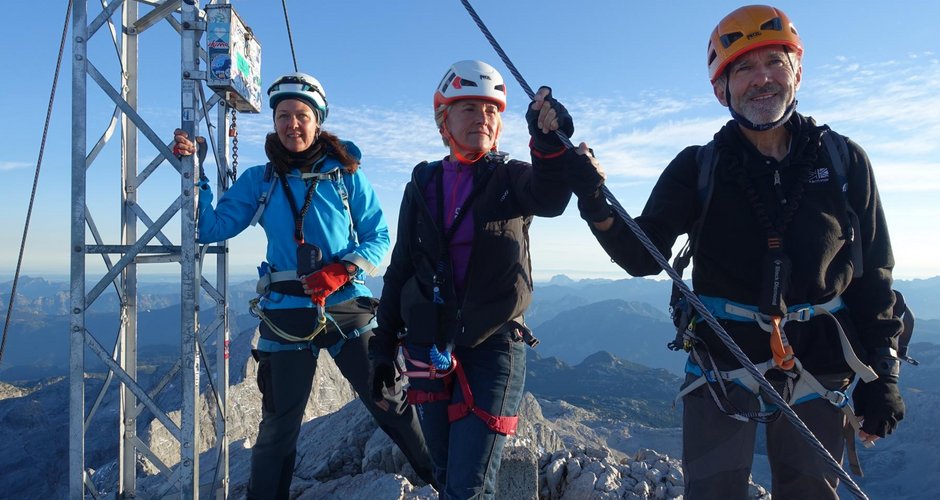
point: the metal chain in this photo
(233, 133)
(690, 296)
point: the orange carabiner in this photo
(780, 346)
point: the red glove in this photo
(321, 284)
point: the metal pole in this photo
(135, 249)
(190, 271)
(127, 485)
(223, 341)
(77, 257)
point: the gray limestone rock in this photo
(518, 474)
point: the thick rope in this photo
(32, 196)
(290, 36)
(691, 297)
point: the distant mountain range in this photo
(613, 388)
(633, 331)
(561, 293)
(626, 317)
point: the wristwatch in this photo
(351, 269)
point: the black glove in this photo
(382, 359)
(583, 174)
(383, 376)
(879, 403)
(549, 143)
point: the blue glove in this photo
(205, 195)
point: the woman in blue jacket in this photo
(325, 230)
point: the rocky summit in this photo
(562, 450)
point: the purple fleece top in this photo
(458, 182)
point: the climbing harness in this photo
(505, 425)
(272, 281)
(268, 345)
(309, 259)
(800, 385)
(254, 307)
(684, 289)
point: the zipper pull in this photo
(778, 187)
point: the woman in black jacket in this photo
(460, 278)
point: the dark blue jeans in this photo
(467, 453)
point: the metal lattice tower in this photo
(201, 378)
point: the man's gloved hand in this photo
(382, 359)
(544, 116)
(879, 403)
(321, 284)
(586, 176)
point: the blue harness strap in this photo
(268, 345)
(723, 308)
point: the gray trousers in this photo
(717, 450)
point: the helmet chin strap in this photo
(758, 127)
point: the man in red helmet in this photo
(791, 255)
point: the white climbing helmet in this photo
(300, 86)
(471, 80)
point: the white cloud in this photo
(891, 108)
(6, 165)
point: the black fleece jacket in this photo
(499, 278)
(733, 239)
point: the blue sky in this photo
(632, 73)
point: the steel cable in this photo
(32, 196)
(290, 36)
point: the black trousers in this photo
(285, 379)
(717, 450)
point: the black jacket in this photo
(731, 247)
(499, 279)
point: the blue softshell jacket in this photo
(326, 224)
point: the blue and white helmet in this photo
(300, 86)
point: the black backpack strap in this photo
(838, 151)
(706, 159)
(424, 171)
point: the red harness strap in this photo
(428, 371)
(416, 397)
(456, 411)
